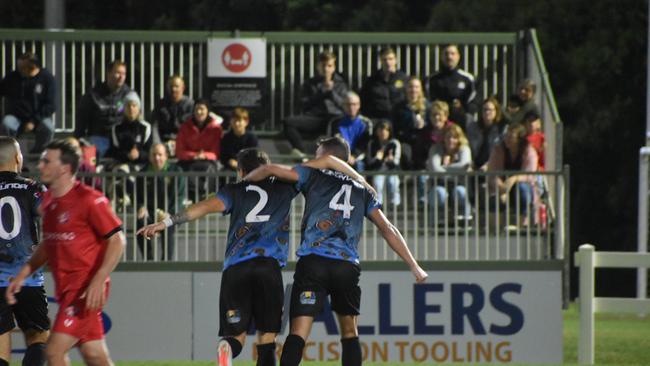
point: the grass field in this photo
(621, 340)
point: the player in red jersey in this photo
(82, 243)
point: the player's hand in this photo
(95, 295)
(151, 230)
(420, 274)
(14, 287)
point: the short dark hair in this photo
(251, 158)
(115, 63)
(31, 58)
(202, 101)
(70, 154)
(336, 146)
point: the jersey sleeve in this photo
(372, 203)
(225, 194)
(101, 217)
(304, 173)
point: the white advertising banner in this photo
(237, 57)
(456, 317)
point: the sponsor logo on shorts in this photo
(233, 316)
(308, 298)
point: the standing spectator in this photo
(454, 86)
(384, 154)
(81, 251)
(322, 99)
(486, 133)
(384, 89)
(170, 112)
(452, 155)
(526, 93)
(198, 145)
(354, 128)
(536, 138)
(102, 108)
(30, 92)
(237, 139)
(159, 197)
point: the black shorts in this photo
(30, 310)
(251, 291)
(316, 277)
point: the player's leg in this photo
(266, 349)
(346, 302)
(267, 307)
(57, 348)
(31, 315)
(6, 325)
(351, 348)
(35, 341)
(95, 353)
(5, 349)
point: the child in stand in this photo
(384, 153)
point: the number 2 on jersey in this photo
(15, 210)
(253, 215)
(346, 207)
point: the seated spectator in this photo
(354, 128)
(88, 163)
(102, 108)
(384, 89)
(536, 138)
(486, 133)
(322, 99)
(384, 153)
(170, 112)
(516, 191)
(410, 117)
(198, 145)
(453, 155)
(513, 106)
(159, 197)
(236, 139)
(526, 93)
(454, 86)
(30, 93)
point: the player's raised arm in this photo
(397, 243)
(38, 260)
(283, 172)
(195, 211)
(333, 163)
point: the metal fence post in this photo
(586, 338)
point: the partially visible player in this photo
(258, 240)
(82, 244)
(328, 263)
(19, 201)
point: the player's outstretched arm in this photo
(397, 243)
(195, 211)
(333, 163)
(37, 260)
(95, 294)
(283, 172)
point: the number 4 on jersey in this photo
(346, 207)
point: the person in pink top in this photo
(536, 138)
(82, 243)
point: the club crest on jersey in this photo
(461, 85)
(63, 218)
(308, 298)
(233, 316)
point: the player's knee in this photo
(36, 336)
(53, 353)
(95, 356)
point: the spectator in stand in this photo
(30, 93)
(159, 197)
(353, 128)
(131, 139)
(410, 117)
(513, 106)
(384, 154)
(236, 139)
(536, 138)
(170, 112)
(453, 155)
(87, 163)
(454, 86)
(384, 89)
(486, 133)
(102, 108)
(322, 99)
(198, 145)
(526, 92)
(517, 191)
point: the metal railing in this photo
(493, 228)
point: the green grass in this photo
(621, 340)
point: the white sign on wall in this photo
(237, 57)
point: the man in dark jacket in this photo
(322, 99)
(171, 111)
(384, 89)
(454, 86)
(102, 108)
(30, 93)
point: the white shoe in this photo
(224, 353)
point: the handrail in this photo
(537, 51)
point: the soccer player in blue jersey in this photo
(257, 248)
(335, 206)
(19, 201)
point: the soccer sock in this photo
(351, 355)
(235, 346)
(35, 355)
(266, 354)
(3, 362)
(292, 350)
